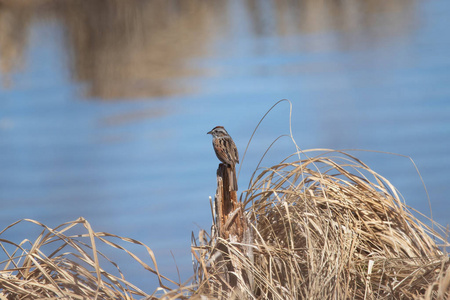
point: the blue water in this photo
(109, 121)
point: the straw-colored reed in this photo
(326, 226)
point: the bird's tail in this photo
(233, 184)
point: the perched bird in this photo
(226, 151)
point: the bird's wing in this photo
(236, 154)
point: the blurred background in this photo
(105, 105)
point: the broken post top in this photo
(229, 210)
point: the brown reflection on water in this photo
(14, 24)
(134, 49)
(131, 49)
(311, 16)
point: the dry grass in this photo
(323, 226)
(60, 265)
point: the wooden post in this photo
(230, 215)
(232, 226)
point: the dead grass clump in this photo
(59, 265)
(325, 227)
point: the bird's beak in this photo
(209, 132)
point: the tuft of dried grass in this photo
(59, 265)
(325, 226)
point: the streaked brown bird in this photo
(226, 151)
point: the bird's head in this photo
(218, 132)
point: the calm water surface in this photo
(105, 106)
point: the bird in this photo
(226, 151)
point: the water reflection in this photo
(140, 49)
(362, 74)
(14, 29)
